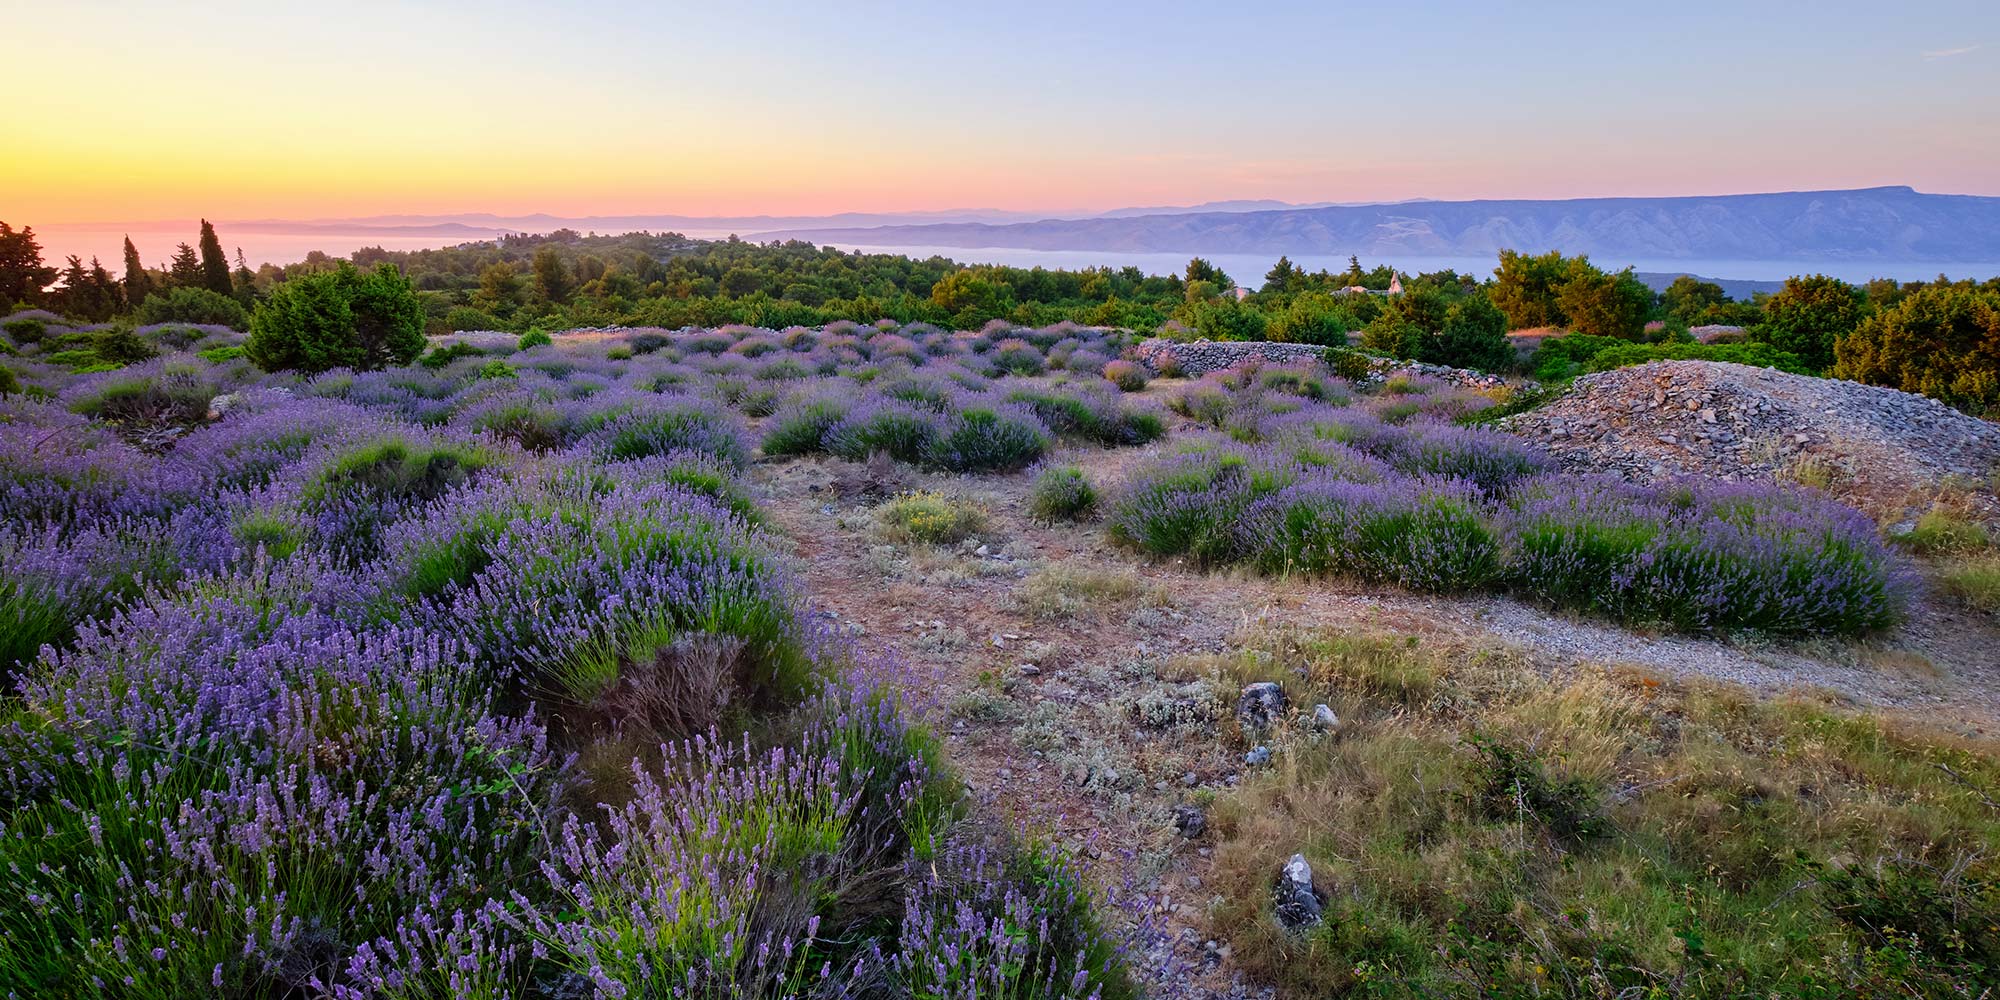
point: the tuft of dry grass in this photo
(1066, 590)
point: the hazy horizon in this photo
(812, 110)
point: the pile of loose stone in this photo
(1731, 421)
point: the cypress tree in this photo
(214, 266)
(138, 284)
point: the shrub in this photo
(189, 304)
(445, 354)
(120, 345)
(659, 427)
(903, 432)
(988, 439)
(1706, 557)
(534, 338)
(1559, 359)
(175, 393)
(618, 354)
(931, 518)
(1942, 340)
(1757, 355)
(1351, 365)
(338, 319)
(1062, 493)
(1128, 376)
(496, 368)
(801, 429)
(1017, 357)
(1424, 536)
(26, 330)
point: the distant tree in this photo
(1692, 300)
(972, 290)
(552, 280)
(184, 304)
(73, 297)
(1808, 315)
(1225, 318)
(1605, 305)
(342, 318)
(1201, 270)
(1313, 318)
(1406, 323)
(1527, 288)
(214, 264)
(185, 271)
(1942, 340)
(499, 290)
(1474, 335)
(138, 283)
(1283, 277)
(107, 295)
(243, 281)
(1353, 276)
(22, 273)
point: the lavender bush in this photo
(1705, 556)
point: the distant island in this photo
(1868, 224)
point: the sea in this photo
(156, 242)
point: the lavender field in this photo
(491, 676)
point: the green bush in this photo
(188, 304)
(9, 384)
(1062, 493)
(1942, 340)
(533, 339)
(27, 330)
(120, 346)
(1348, 364)
(442, 356)
(496, 368)
(1757, 355)
(1562, 358)
(338, 319)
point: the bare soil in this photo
(1065, 727)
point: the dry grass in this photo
(1481, 829)
(1066, 590)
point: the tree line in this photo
(1939, 337)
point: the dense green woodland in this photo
(1941, 338)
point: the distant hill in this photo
(1887, 223)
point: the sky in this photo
(274, 110)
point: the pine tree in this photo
(22, 273)
(243, 281)
(185, 271)
(107, 297)
(138, 284)
(214, 265)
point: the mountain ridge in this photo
(1886, 223)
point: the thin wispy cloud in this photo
(1949, 53)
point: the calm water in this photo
(1249, 269)
(156, 244)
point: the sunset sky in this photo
(234, 111)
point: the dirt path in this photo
(1064, 726)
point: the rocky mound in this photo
(1873, 445)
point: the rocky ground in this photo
(1882, 450)
(1070, 676)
